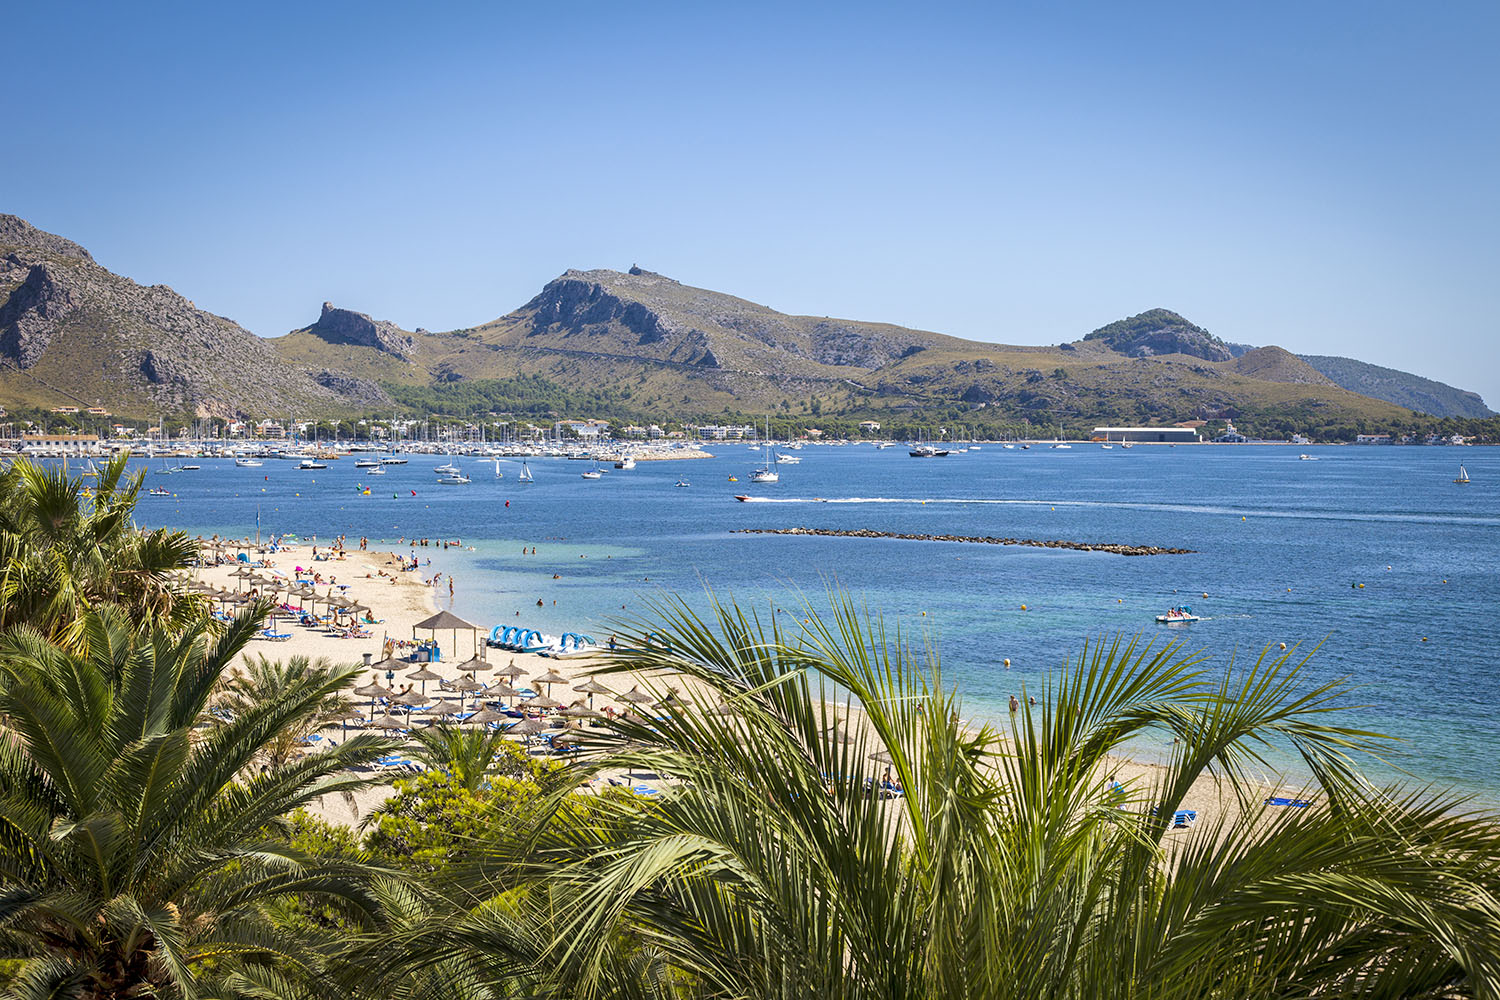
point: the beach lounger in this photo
(1184, 818)
(270, 636)
(1293, 803)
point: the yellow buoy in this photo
(1283, 645)
(1361, 586)
(1241, 518)
(1007, 663)
(1424, 638)
(1119, 600)
(1205, 596)
(1023, 607)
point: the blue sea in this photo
(1372, 554)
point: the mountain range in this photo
(72, 332)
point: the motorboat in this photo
(1178, 616)
(189, 468)
(682, 484)
(159, 491)
(928, 451)
(628, 462)
(309, 463)
(1306, 458)
(377, 471)
(393, 461)
(367, 463)
(788, 460)
(248, 463)
(454, 480)
(592, 474)
(742, 498)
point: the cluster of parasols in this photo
(282, 592)
(538, 712)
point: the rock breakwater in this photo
(1111, 547)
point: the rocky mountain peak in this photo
(345, 326)
(17, 232)
(1160, 331)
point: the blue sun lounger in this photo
(1294, 803)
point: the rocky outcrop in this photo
(17, 232)
(345, 326)
(360, 390)
(36, 304)
(1160, 331)
(578, 305)
(656, 317)
(136, 348)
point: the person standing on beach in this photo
(1014, 704)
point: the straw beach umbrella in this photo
(510, 672)
(372, 691)
(636, 696)
(543, 701)
(424, 675)
(389, 722)
(550, 678)
(591, 688)
(485, 716)
(474, 665)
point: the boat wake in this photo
(1392, 517)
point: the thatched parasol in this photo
(637, 696)
(511, 671)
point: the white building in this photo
(1158, 435)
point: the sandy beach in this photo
(400, 598)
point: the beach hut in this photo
(447, 620)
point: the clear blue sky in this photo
(1320, 176)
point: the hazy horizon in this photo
(1315, 178)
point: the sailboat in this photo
(1463, 476)
(525, 476)
(767, 472)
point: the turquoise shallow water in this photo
(1278, 544)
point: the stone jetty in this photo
(1116, 549)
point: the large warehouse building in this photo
(1167, 435)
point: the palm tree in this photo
(1007, 865)
(138, 843)
(468, 755)
(63, 552)
(259, 679)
